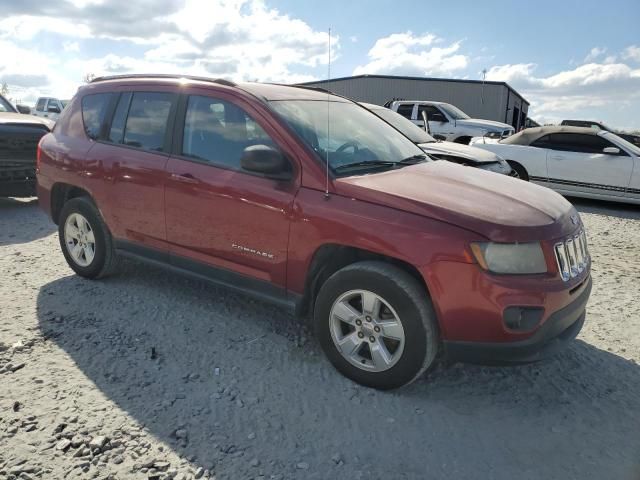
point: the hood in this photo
(473, 154)
(24, 119)
(485, 124)
(498, 207)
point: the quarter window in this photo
(94, 108)
(147, 121)
(218, 132)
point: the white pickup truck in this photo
(49, 107)
(447, 122)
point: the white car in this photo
(48, 107)
(447, 122)
(438, 150)
(574, 161)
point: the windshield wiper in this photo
(413, 159)
(367, 163)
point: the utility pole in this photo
(484, 75)
(5, 89)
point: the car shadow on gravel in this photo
(603, 207)
(21, 221)
(238, 380)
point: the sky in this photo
(568, 58)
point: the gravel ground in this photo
(148, 375)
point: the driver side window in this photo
(433, 113)
(217, 131)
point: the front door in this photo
(216, 213)
(577, 162)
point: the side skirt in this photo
(255, 288)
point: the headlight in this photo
(510, 258)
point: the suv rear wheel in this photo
(85, 240)
(376, 325)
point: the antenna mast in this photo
(326, 189)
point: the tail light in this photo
(38, 156)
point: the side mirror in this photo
(265, 160)
(23, 109)
(53, 109)
(611, 151)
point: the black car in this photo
(635, 139)
(19, 137)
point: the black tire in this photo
(105, 260)
(413, 306)
(520, 170)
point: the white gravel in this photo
(149, 375)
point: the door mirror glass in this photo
(24, 109)
(611, 151)
(265, 160)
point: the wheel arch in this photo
(61, 193)
(463, 139)
(518, 167)
(329, 258)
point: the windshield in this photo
(405, 126)
(5, 106)
(453, 112)
(356, 136)
(622, 142)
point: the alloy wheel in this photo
(366, 330)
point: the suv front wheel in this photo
(376, 324)
(85, 239)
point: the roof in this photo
(266, 91)
(426, 79)
(530, 135)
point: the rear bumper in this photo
(561, 327)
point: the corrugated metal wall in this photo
(489, 103)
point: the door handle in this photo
(184, 178)
(557, 157)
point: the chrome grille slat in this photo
(572, 256)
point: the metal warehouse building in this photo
(488, 100)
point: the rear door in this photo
(133, 155)
(577, 162)
(217, 214)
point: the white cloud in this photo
(587, 89)
(409, 54)
(237, 39)
(632, 53)
(594, 54)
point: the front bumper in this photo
(17, 181)
(560, 327)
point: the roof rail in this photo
(220, 81)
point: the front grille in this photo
(572, 256)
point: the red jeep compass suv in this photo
(307, 199)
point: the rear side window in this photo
(94, 108)
(147, 120)
(406, 110)
(218, 132)
(40, 104)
